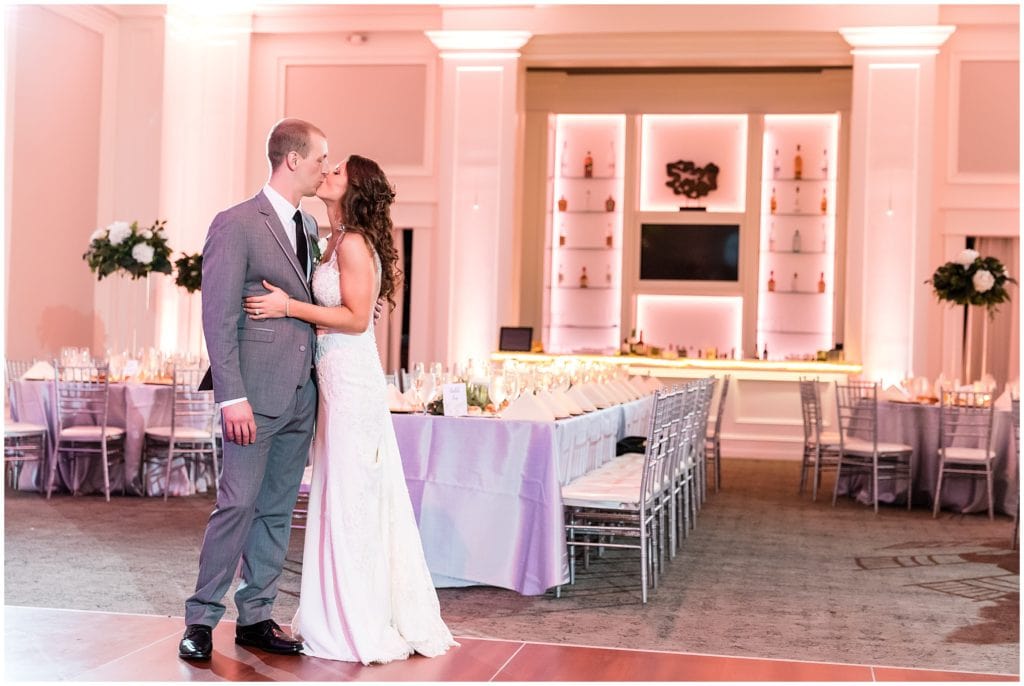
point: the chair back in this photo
(81, 395)
(810, 408)
(661, 437)
(192, 408)
(721, 405)
(965, 417)
(857, 409)
(15, 370)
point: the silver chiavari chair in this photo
(965, 418)
(821, 448)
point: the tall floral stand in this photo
(972, 316)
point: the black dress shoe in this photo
(268, 636)
(197, 643)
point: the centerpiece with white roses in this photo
(972, 280)
(125, 247)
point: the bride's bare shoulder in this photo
(354, 247)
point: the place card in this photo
(454, 395)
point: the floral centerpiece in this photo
(972, 280)
(125, 247)
(190, 272)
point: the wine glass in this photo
(418, 378)
(511, 385)
(496, 390)
(426, 384)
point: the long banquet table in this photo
(487, 491)
(917, 425)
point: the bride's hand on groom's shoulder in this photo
(271, 305)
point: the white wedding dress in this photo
(367, 595)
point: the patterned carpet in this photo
(765, 574)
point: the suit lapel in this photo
(278, 232)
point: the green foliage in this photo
(190, 272)
(954, 282)
(106, 256)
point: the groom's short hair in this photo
(288, 135)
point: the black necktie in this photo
(300, 242)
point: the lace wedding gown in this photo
(367, 595)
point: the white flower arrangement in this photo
(123, 247)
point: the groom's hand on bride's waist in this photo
(239, 423)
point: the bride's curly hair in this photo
(366, 209)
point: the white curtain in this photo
(1003, 348)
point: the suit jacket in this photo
(264, 360)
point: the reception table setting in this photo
(486, 488)
(910, 414)
(140, 397)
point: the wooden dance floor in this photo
(58, 645)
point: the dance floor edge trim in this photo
(48, 644)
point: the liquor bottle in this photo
(561, 275)
(774, 203)
(771, 281)
(776, 166)
(609, 204)
(587, 206)
(641, 347)
(611, 159)
(588, 166)
(563, 204)
(824, 238)
(821, 283)
(796, 241)
(608, 237)
(608, 276)
(764, 355)
(824, 202)
(565, 157)
(771, 238)
(583, 278)
(824, 164)
(798, 164)
(624, 348)
(796, 201)
(795, 283)
(561, 236)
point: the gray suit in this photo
(269, 362)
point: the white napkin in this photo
(638, 386)
(547, 400)
(609, 392)
(567, 403)
(651, 383)
(599, 401)
(527, 407)
(626, 389)
(397, 401)
(897, 393)
(40, 370)
(623, 393)
(577, 395)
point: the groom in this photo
(262, 380)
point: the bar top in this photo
(691, 366)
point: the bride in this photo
(367, 594)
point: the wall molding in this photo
(953, 173)
(426, 168)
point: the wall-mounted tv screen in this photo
(690, 252)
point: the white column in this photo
(480, 121)
(203, 153)
(890, 215)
